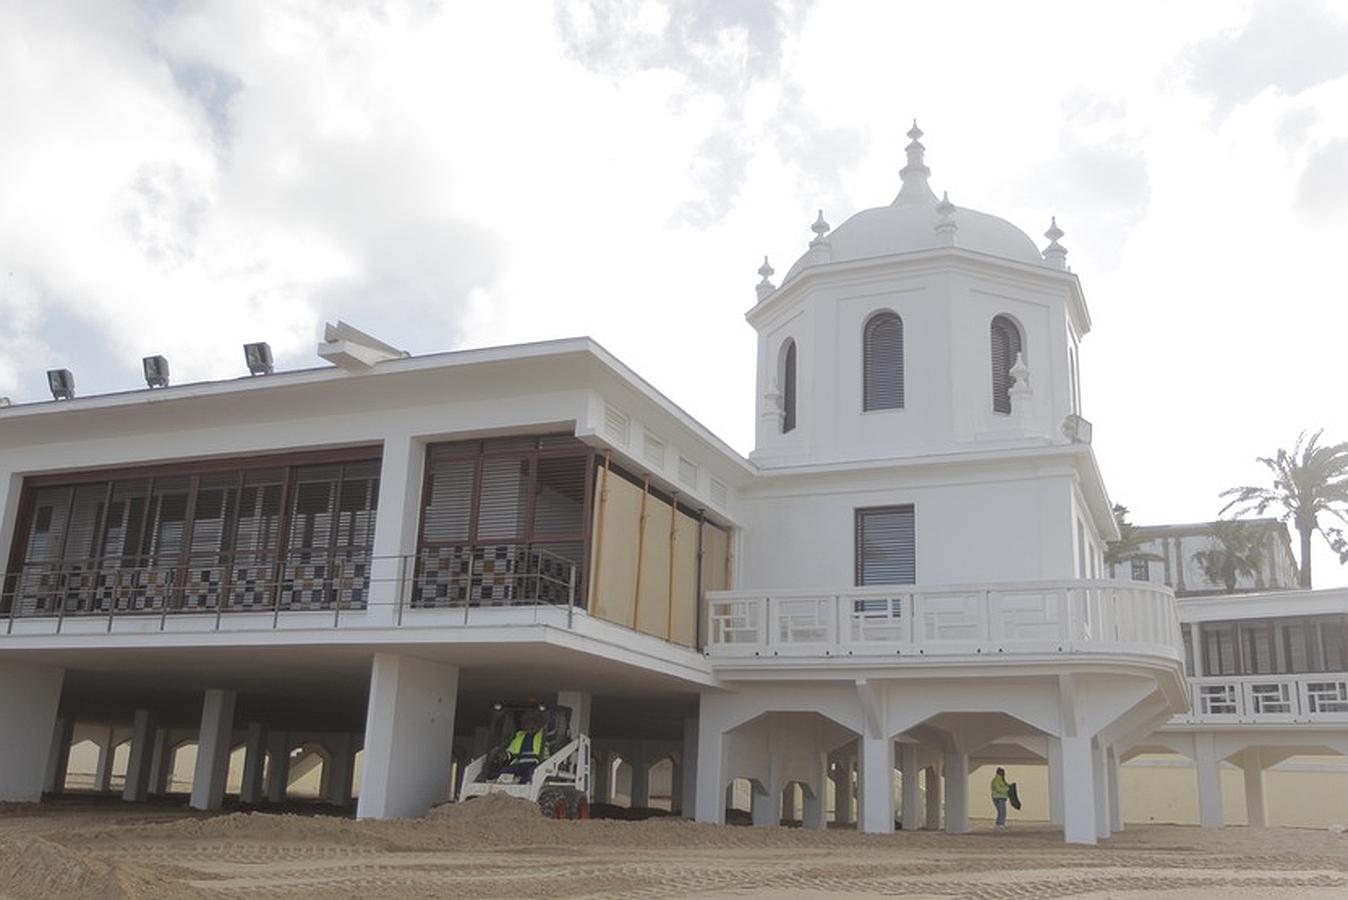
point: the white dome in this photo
(910, 224)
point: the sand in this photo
(498, 847)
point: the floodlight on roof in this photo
(259, 358)
(1077, 429)
(62, 384)
(156, 371)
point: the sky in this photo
(183, 177)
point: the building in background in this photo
(1171, 555)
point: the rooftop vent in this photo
(156, 370)
(62, 384)
(354, 350)
(259, 358)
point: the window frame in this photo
(1018, 347)
(870, 362)
(858, 516)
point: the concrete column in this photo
(137, 787)
(409, 736)
(103, 768)
(1055, 790)
(1208, 768)
(791, 812)
(58, 758)
(813, 816)
(600, 777)
(640, 795)
(213, 746)
(909, 801)
(254, 754)
(1100, 775)
(580, 704)
(339, 771)
(28, 701)
(1115, 801)
(1078, 781)
(711, 785)
(956, 767)
(278, 772)
(932, 800)
(159, 762)
(877, 784)
(763, 806)
(688, 768)
(1255, 811)
(395, 528)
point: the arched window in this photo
(788, 386)
(882, 362)
(1006, 346)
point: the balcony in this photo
(1268, 699)
(1028, 618)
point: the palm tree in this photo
(1239, 551)
(1309, 481)
(1129, 545)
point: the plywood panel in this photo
(613, 591)
(683, 619)
(715, 559)
(653, 604)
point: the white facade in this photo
(882, 597)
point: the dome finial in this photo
(765, 287)
(820, 228)
(1055, 254)
(915, 190)
(946, 226)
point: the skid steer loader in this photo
(559, 784)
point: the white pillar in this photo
(1100, 774)
(877, 784)
(956, 767)
(711, 786)
(254, 753)
(1078, 782)
(29, 697)
(137, 787)
(409, 736)
(639, 797)
(763, 806)
(931, 799)
(278, 771)
(58, 758)
(103, 768)
(1055, 790)
(395, 528)
(790, 811)
(1208, 768)
(339, 771)
(814, 815)
(160, 757)
(909, 802)
(213, 745)
(1115, 803)
(580, 703)
(688, 765)
(1255, 811)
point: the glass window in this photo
(885, 546)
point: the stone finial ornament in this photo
(1021, 391)
(820, 228)
(915, 190)
(765, 287)
(1055, 254)
(946, 226)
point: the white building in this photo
(906, 576)
(1166, 555)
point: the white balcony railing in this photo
(1029, 618)
(1269, 699)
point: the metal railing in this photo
(1311, 697)
(315, 582)
(1032, 617)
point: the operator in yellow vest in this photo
(1001, 792)
(526, 749)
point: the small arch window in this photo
(1007, 344)
(882, 362)
(787, 378)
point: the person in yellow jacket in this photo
(526, 750)
(1001, 792)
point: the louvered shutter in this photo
(1005, 348)
(449, 501)
(886, 546)
(789, 388)
(882, 362)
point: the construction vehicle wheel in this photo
(552, 802)
(578, 805)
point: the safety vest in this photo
(525, 746)
(1000, 789)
